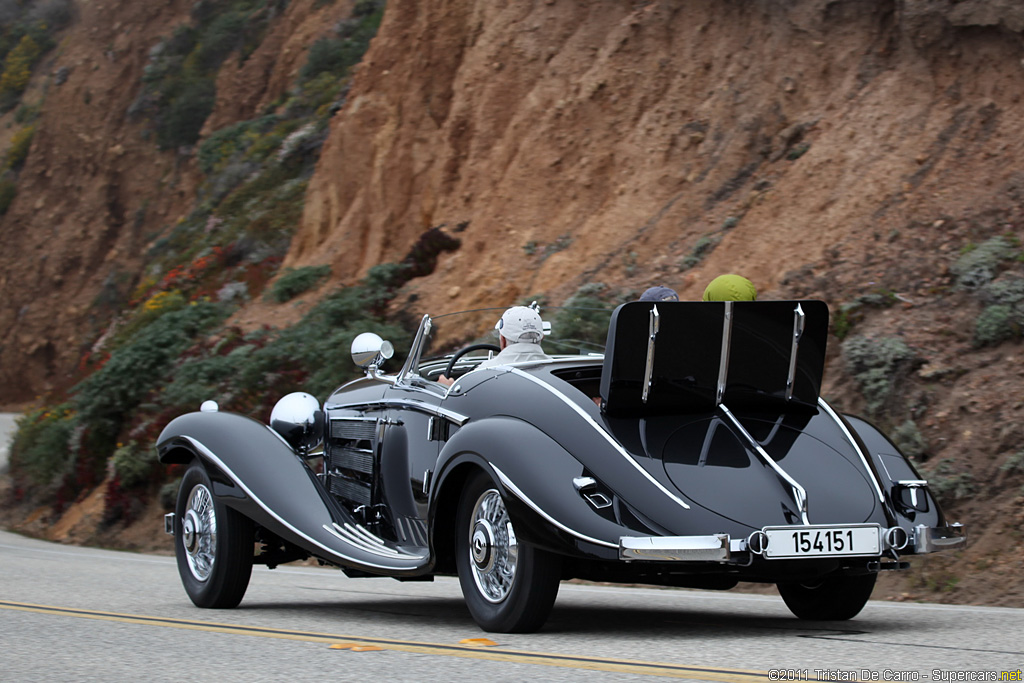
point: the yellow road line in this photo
(703, 673)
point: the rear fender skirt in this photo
(270, 484)
(536, 474)
(869, 466)
(893, 467)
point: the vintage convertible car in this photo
(693, 451)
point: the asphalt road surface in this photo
(84, 614)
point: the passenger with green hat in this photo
(730, 288)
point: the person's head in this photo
(520, 324)
(659, 293)
(730, 288)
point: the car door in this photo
(412, 434)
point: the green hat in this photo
(730, 288)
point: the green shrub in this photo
(249, 374)
(232, 141)
(53, 14)
(583, 318)
(877, 365)
(797, 151)
(1003, 317)
(701, 248)
(168, 495)
(20, 144)
(18, 67)
(978, 266)
(41, 450)
(8, 191)
(133, 465)
(220, 38)
(1014, 463)
(178, 84)
(207, 376)
(995, 325)
(26, 114)
(296, 281)
(318, 97)
(947, 484)
(105, 399)
(336, 55)
(325, 55)
(909, 440)
(179, 125)
(845, 317)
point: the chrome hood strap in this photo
(799, 492)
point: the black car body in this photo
(695, 451)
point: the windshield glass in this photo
(574, 331)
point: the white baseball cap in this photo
(521, 324)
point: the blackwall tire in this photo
(213, 544)
(833, 599)
(509, 586)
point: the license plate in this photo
(822, 541)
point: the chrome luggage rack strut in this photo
(799, 492)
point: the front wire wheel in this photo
(509, 586)
(212, 543)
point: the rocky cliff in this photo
(852, 151)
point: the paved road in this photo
(82, 614)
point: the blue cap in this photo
(659, 293)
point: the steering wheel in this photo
(463, 351)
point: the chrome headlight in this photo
(298, 419)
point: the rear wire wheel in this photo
(832, 599)
(213, 544)
(509, 586)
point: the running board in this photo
(359, 537)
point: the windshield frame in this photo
(563, 316)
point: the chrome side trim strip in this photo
(853, 442)
(799, 492)
(207, 453)
(421, 406)
(507, 483)
(798, 332)
(608, 437)
(655, 325)
(723, 360)
(713, 548)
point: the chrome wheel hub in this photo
(494, 551)
(199, 532)
(482, 544)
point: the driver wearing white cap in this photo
(520, 331)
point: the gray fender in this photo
(892, 466)
(535, 475)
(254, 471)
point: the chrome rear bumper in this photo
(713, 548)
(720, 548)
(930, 539)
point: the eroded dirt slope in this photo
(824, 149)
